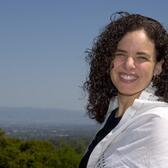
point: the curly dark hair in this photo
(98, 84)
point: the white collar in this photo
(147, 94)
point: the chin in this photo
(130, 92)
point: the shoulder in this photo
(151, 116)
(159, 123)
(161, 116)
(158, 141)
(155, 117)
(151, 108)
(159, 112)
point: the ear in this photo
(158, 68)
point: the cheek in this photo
(115, 66)
(112, 68)
(113, 75)
(147, 71)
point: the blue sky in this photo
(42, 45)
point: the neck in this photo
(125, 101)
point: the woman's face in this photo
(134, 64)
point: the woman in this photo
(128, 90)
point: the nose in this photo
(129, 63)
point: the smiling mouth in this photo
(128, 77)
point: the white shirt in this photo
(140, 140)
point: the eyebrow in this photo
(138, 53)
(120, 50)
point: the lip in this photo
(127, 77)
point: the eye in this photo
(120, 55)
(142, 58)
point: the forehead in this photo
(136, 40)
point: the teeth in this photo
(128, 77)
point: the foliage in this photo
(15, 153)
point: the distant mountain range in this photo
(27, 115)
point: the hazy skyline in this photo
(42, 45)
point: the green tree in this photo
(15, 153)
(68, 157)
